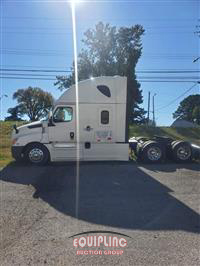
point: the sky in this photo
(37, 35)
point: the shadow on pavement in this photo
(113, 194)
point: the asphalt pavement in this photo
(154, 207)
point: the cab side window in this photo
(104, 117)
(63, 114)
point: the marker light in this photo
(14, 141)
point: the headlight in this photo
(14, 141)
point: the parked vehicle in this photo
(102, 130)
(102, 123)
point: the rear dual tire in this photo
(181, 151)
(151, 152)
(155, 152)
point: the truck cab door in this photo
(62, 133)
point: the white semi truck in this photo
(102, 129)
(102, 119)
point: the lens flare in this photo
(77, 106)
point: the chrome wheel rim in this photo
(154, 153)
(36, 155)
(184, 152)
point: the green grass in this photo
(5, 141)
(189, 134)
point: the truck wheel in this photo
(37, 154)
(181, 151)
(152, 152)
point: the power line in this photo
(63, 52)
(69, 55)
(170, 81)
(140, 80)
(168, 71)
(139, 77)
(30, 75)
(67, 33)
(67, 71)
(100, 18)
(34, 66)
(34, 70)
(168, 77)
(145, 70)
(68, 28)
(173, 101)
(55, 50)
(26, 78)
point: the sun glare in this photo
(76, 1)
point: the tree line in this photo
(107, 51)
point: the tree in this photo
(196, 114)
(138, 115)
(111, 52)
(33, 102)
(189, 109)
(15, 114)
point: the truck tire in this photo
(181, 151)
(152, 152)
(37, 154)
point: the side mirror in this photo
(51, 124)
(15, 128)
(50, 114)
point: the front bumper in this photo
(17, 152)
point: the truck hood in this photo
(27, 129)
(31, 125)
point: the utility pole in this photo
(149, 95)
(154, 109)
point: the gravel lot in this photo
(156, 205)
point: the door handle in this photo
(71, 135)
(88, 128)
